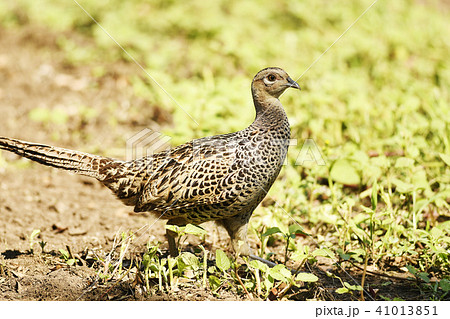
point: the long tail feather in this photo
(75, 161)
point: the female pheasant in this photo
(221, 178)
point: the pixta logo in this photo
(146, 143)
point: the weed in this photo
(32, 240)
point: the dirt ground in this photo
(74, 212)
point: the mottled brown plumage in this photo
(221, 178)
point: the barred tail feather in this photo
(77, 162)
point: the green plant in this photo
(439, 288)
(32, 239)
(291, 233)
(66, 255)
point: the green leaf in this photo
(344, 256)
(323, 252)
(419, 180)
(445, 158)
(64, 253)
(222, 261)
(171, 262)
(352, 287)
(445, 285)
(279, 272)
(295, 229)
(258, 265)
(411, 269)
(306, 277)
(190, 259)
(146, 261)
(214, 282)
(212, 269)
(39, 114)
(374, 196)
(299, 256)
(342, 290)
(153, 267)
(271, 231)
(44, 115)
(194, 230)
(343, 172)
(436, 233)
(402, 187)
(423, 276)
(58, 116)
(403, 162)
(71, 262)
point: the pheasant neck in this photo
(269, 111)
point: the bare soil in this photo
(76, 213)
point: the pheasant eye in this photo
(271, 77)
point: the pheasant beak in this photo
(292, 84)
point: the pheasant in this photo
(219, 178)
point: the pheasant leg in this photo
(237, 229)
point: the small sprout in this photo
(348, 288)
(68, 258)
(42, 245)
(34, 234)
(342, 290)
